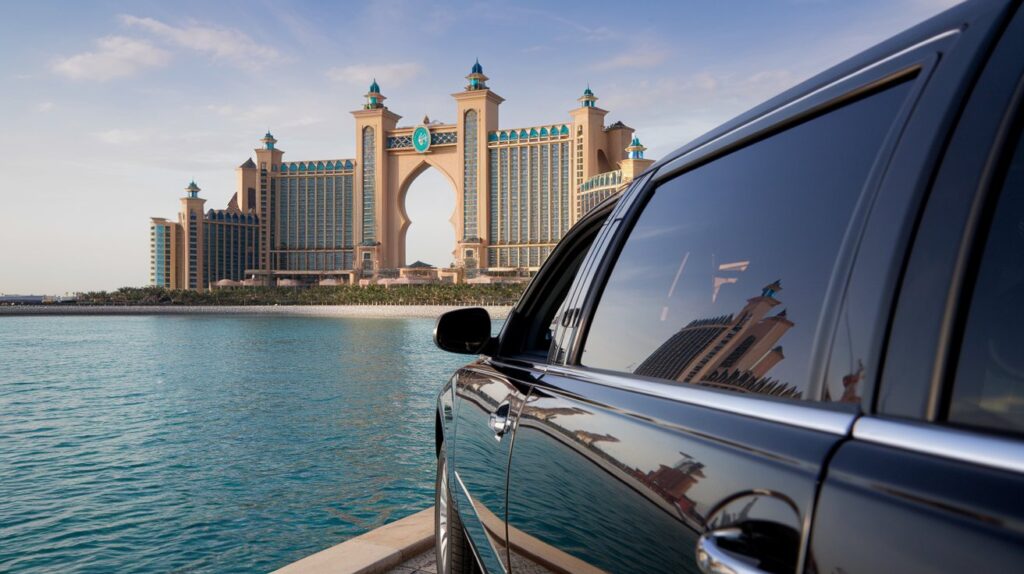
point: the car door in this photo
(687, 419)
(932, 481)
(490, 393)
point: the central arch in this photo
(406, 178)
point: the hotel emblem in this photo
(421, 139)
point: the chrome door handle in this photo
(499, 421)
(712, 559)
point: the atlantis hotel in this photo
(335, 221)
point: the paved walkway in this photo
(390, 546)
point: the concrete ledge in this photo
(373, 552)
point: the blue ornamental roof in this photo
(588, 91)
(477, 68)
(636, 141)
(374, 88)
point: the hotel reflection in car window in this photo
(721, 282)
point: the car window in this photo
(722, 279)
(988, 390)
(532, 329)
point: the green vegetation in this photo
(436, 294)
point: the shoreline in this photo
(339, 311)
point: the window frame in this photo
(521, 321)
(914, 64)
(976, 240)
(920, 356)
(1009, 145)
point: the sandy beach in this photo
(365, 311)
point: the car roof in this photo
(954, 18)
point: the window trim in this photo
(816, 416)
(914, 65)
(947, 442)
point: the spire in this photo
(192, 190)
(374, 99)
(476, 77)
(588, 99)
(772, 289)
(268, 140)
(635, 149)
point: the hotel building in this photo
(518, 190)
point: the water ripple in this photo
(208, 444)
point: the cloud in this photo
(225, 44)
(119, 137)
(44, 107)
(632, 60)
(387, 75)
(115, 56)
(705, 81)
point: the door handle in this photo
(712, 559)
(499, 421)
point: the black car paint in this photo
(878, 509)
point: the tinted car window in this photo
(989, 387)
(722, 279)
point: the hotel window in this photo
(469, 187)
(503, 197)
(535, 173)
(492, 223)
(321, 211)
(369, 185)
(563, 194)
(512, 213)
(545, 198)
(524, 195)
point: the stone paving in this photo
(422, 564)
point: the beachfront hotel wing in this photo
(334, 221)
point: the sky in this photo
(110, 108)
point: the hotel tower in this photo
(333, 221)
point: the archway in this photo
(428, 207)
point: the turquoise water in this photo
(209, 444)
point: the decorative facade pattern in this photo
(230, 245)
(436, 139)
(369, 186)
(529, 194)
(597, 189)
(162, 237)
(315, 214)
(469, 175)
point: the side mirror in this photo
(466, 331)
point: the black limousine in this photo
(796, 344)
